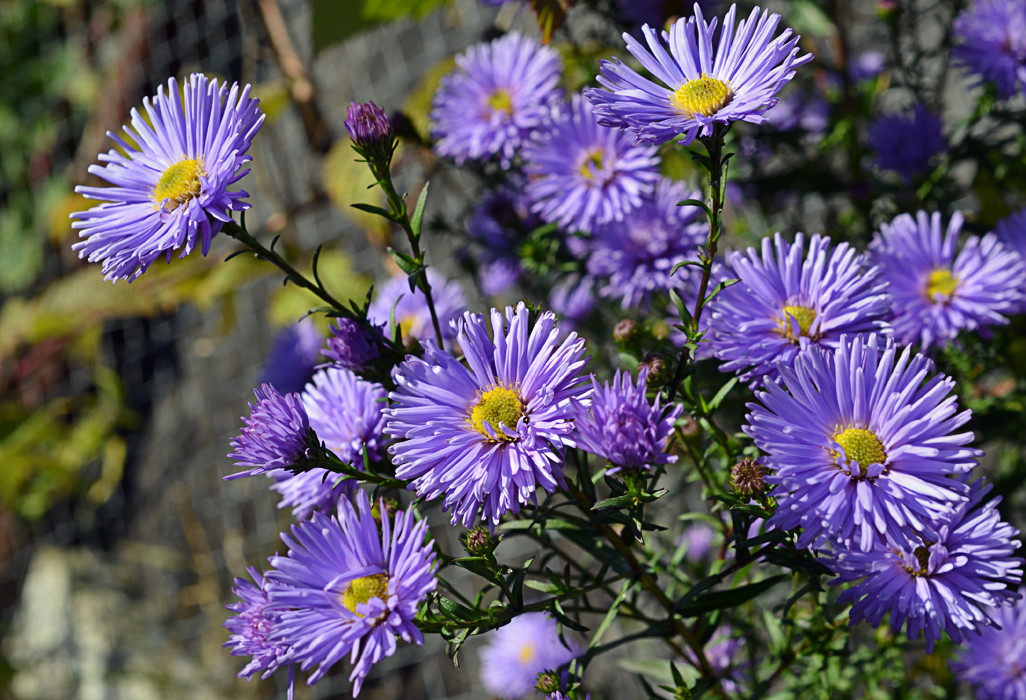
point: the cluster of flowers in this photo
(858, 429)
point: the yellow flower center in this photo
(803, 315)
(704, 95)
(922, 555)
(526, 653)
(497, 405)
(860, 445)
(363, 589)
(942, 282)
(592, 165)
(179, 183)
(501, 101)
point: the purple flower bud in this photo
(369, 128)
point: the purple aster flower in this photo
(807, 111)
(948, 581)
(276, 435)
(486, 437)
(720, 652)
(170, 190)
(699, 85)
(314, 490)
(638, 253)
(500, 93)
(789, 300)
(346, 413)
(623, 427)
(410, 309)
(699, 538)
(499, 224)
(867, 65)
(993, 43)
(862, 442)
(514, 655)
(581, 174)
(251, 625)
(906, 143)
(573, 300)
(294, 357)
(934, 292)
(347, 589)
(994, 661)
(352, 345)
(370, 130)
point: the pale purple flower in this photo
(394, 302)
(294, 357)
(514, 655)
(992, 43)
(994, 661)
(906, 143)
(276, 435)
(251, 625)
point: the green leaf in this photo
(695, 203)
(718, 600)
(544, 587)
(454, 610)
(722, 394)
(615, 502)
(371, 209)
(406, 263)
(334, 21)
(417, 220)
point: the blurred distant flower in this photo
(952, 581)
(498, 224)
(935, 293)
(572, 300)
(720, 652)
(348, 588)
(352, 345)
(994, 661)
(639, 253)
(294, 356)
(867, 65)
(170, 189)
(906, 143)
(658, 12)
(485, 438)
(394, 300)
(992, 35)
(621, 426)
(699, 539)
(797, 109)
(514, 655)
(370, 130)
(251, 625)
(276, 434)
(700, 84)
(862, 445)
(500, 93)
(789, 300)
(581, 174)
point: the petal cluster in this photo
(992, 35)
(514, 655)
(276, 434)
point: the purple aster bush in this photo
(622, 426)
(935, 292)
(700, 84)
(994, 661)
(949, 581)
(581, 174)
(171, 177)
(294, 357)
(514, 655)
(348, 588)
(410, 309)
(992, 43)
(906, 143)
(276, 435)
(790, 299)
(251, 625)
(500, 93)
(485, 437)
(638, 253)
(863, 444)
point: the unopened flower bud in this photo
(479, 542)
(370, 130)
(625, 330)
(748, 477)
(656, 367)
(548, 682)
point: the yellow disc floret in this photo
(501, 101)
(591, 165)
(497, 405)
(526, 653)
(942, 282)
(362, 589)
(179, 183)
(803, 316)
(861, 445)
(704, 95)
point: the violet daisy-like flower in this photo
(499, 225)
(949, 581)
(623, 427)
(171, 183)
(936, 293)
(514, 655)
(486, 437)
(699, 84)
(638, 253)
(500, 93)
(863, 444)
(992, 36)
(276, 434)
(354, 346)
(251, 625)
(906, 143)
(346, 413)
(994, 661)
(790, 299)
(294, 357)
(314, 490)
(581, 174)
(410, 309)
(346, 588)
